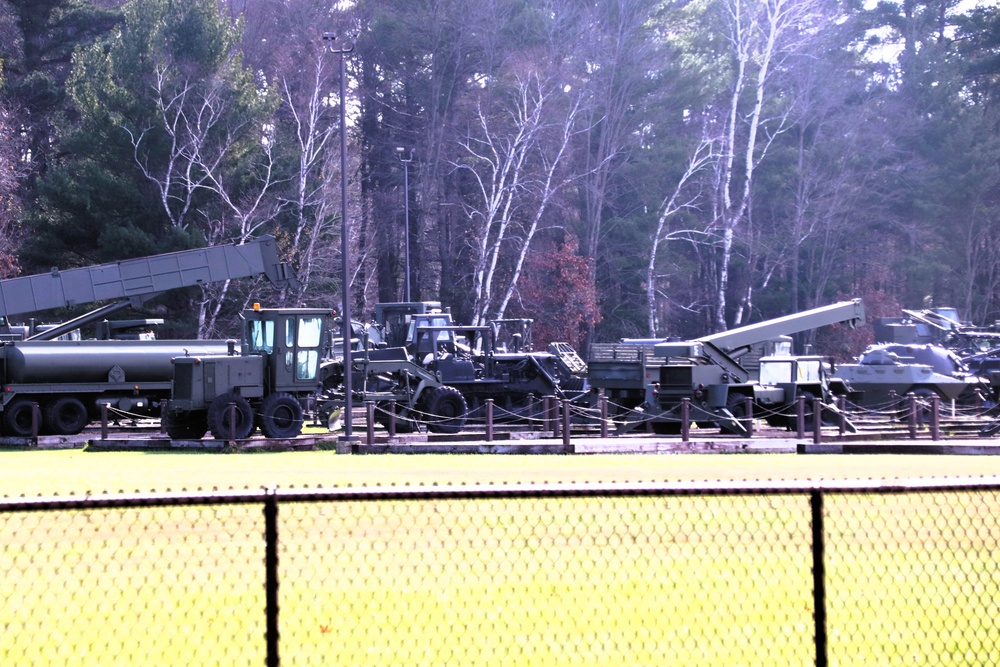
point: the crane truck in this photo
(646, 381)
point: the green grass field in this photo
(556, 581)
(71, 471)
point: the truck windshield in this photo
(776, 372)
(261, 336)
(310, 331)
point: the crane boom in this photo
(134, 281)
(732, 341)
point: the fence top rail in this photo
(414, 492)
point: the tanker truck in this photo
(70, 380)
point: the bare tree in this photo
(762, 34)
(676, 201)
(205, 138)
(513, 165)
(314, 132)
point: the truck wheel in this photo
(446, 409)
(185, 425)
(404, 422)
(17, 418)
(66, 415)
(280, 416)
(219, 417)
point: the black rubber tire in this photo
(446, 410)
(17, 418)
(185, 426)
(280, 416)
(218, 417)
(404, 421)
(66, 415)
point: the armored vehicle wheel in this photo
(219, 417)
(447, 410)
(280, 416)
(17, 418)
(66, 415)
(185, 426)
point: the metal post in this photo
(406, 224)
(36, 419)
(685, 419)
(556, 421)
(392, 419)
(104, 421)
(343, 47)
(819, 577)
(271, 575)
(232, 423)
(489, 420)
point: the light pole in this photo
(400, 151)
(343, 47)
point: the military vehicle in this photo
(70, 380)
(978, 347)
(494, 361)
(885, 374)
(646, 382)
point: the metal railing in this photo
(900, 572)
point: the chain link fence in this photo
(600, 574)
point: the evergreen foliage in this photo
(612, 168)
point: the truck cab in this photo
(266, 384)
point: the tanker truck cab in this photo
(265, 386)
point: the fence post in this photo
(232, 423)
(489, 420)
(935, 417)
(556, 422)
(800, 416)
(842, 408)
(36, 419)
(104, 421)
(565, 421)
(819, 576)
(392, 419)
(817, 421)
(748, 411)
(685, 419)
(370, 419)
(271, 575)
(602, 402)
(911, 417)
